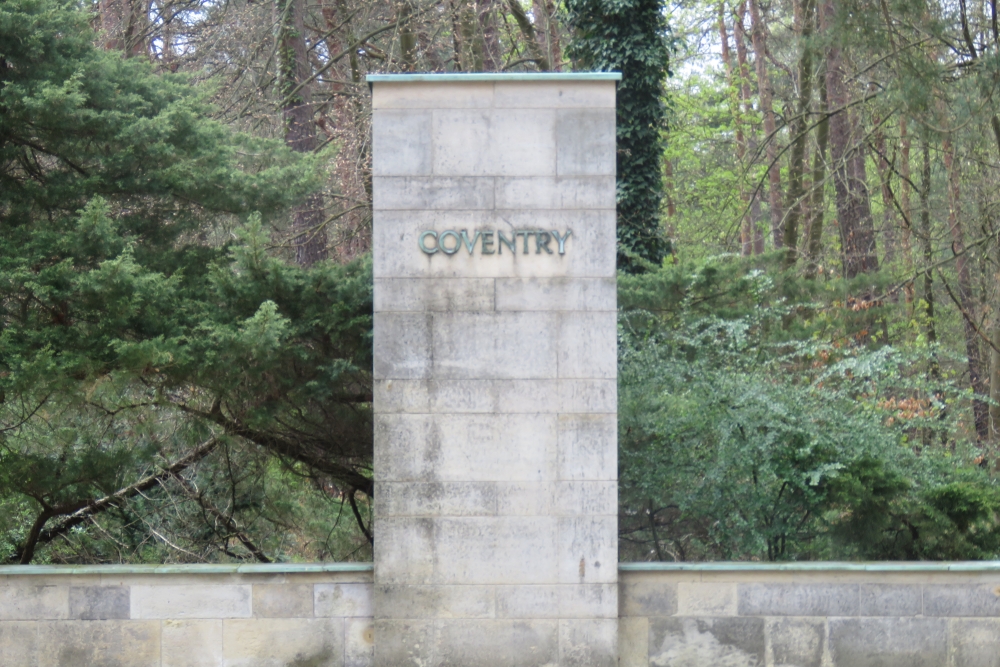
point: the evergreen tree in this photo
(631, 37)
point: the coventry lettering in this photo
(493, 242)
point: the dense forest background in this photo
(809, 246)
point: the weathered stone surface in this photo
(401, 142)
(588, 550)
(434, 294)
(98, 644)
(633, 642)
(556, 294)
(512, 643)
(537, 192)
(437, 499)
(890, 600)
(283, 600)
(170, 602)
(347, 600)
(588, 447)
(706, 599)
(975, 643)
(796, 642)
(407, 643)
(588, 345)
(798, 599)
(588, 642)
(961, 600)
(582, 136)
(647, 598)
(704, 642)
(359, 642)
(401, 193)
(557, 601)
(432, 95)
(442, 601)
(479, 142)
(279, 642)
(19, 643)
(553, 95)
(99, 603)
(512, 345)
(402, 345)
(888, 642)
(191, 643)
(588, 396)
(29, 603)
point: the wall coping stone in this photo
(486, 76)
(290, 568)
(188, 568)
(816, 566)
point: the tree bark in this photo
(857, 232)
(795, 202)
(817, 203)
(759, 40)
(530, 34)
(906, 210)
(547, 32)
(980, 409)
(300, 130)
(751, 223)
(735, 85)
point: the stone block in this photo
(432, 95)
(588, 447)
(283, 600)
(588, 550)
(405, 549)
(890, 600)
(706, 599)
(359, 642)
(647, 598)
(556, 294)
(701, 642)
(473, 448)
(474, 142)
(191, 643)
(281, 642)
(213, 601)
(98, 603)
(98, 644)
(561, 192)
(437, 499)
(798, 599)
(588, 396)
(549, 94)
(19, 643)
(407, 193)
(961, 600)
(433, 294)
(401, 396)
(633, 642)
(511, 643)
(406, 643)
(888, 642)
(29, 603)
(588, 345)
(558, 601)
(343, 600)
(975, 643)
(584, 499)
(585, 140)
(495, 396)
(402, 345)
(416, 602)
(796, 642)
(512, 345)
(401, 142)
(588, 642)
(503, 550)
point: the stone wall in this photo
(810, 615)
(190, 616)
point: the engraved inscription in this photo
(493, 242)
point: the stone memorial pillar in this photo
(495, 370)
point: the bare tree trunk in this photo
(888, 218)
(758, 37)
(799, 133)
(751, 222)
(995, 382)
(547, 31)
(817, 204)
(857, 232)
(980, 409)
(535, 46)
(407, 38)
(906, 210)
(735, 84)
(300, 130)
(928, 252)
